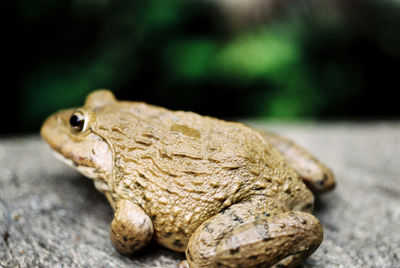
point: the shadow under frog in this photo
(223, 193)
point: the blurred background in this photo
(260, 59)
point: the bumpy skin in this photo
(318, 177)
(216, 189)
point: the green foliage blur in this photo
(294, 60)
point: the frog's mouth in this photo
(85, 170)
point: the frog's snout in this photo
(87, 152)
(55, 128)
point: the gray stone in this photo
(50, 216)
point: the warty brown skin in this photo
(318, 177)
(176, 176)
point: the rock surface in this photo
(50, 216)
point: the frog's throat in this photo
(90, 172)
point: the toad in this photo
(225, 194)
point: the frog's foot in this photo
(228, 240)
(183, 264)
(131, 228)
(315, 175)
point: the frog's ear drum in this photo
(100, 98)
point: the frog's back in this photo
(182, 168)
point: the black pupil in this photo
(76, 121)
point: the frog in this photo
(225, 194)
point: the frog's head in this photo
(70, 133)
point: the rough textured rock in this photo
(50, 216)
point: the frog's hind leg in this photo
(315, 175)
(244, 236)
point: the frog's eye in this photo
(77, 121)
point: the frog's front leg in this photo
(317, 176)
(131, 228)
(231, 239)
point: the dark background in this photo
(296, 60)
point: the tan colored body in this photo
(179, 174)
